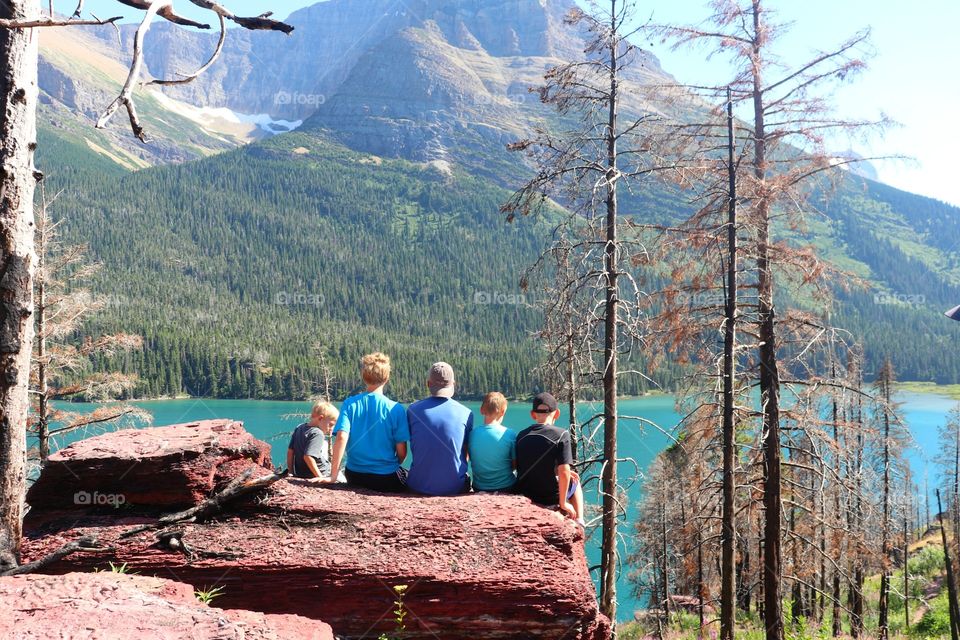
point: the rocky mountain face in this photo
(419, 79)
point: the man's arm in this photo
(564, 478)
(339, 447)
(290, 460)
(401, 451)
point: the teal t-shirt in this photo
(376, 425)
(493, 448)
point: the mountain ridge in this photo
(427, 105)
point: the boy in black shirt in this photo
(544, 459)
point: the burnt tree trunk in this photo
(728, 583)
(18, 132)
(608, 549)
(769, 371)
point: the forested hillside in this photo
(233, 267)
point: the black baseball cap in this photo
(544, 403)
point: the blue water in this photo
(272, 421)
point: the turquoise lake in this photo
(272, 421)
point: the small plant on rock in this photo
(399, 613)
(206, 595)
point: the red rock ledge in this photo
(112, 605)
(475, 566)
(174, 466)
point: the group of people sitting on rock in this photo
(371, 434)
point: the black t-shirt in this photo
(309, 441)
(540, 448)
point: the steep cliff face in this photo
(473, 566)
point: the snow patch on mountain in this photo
(225, 120)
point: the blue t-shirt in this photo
(439, 429)
(493, 448)
(376, 425)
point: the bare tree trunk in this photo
(664, 566)
(42, 390)
(18, 132)
(856, 590)
(883, 607)
(769, 372)
(951, 580)
(836, 626)
(608, 551)
(906, 576)
(956, 488)
(728, 577)
(701, 588)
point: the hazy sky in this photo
(915, 53)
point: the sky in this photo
(914, 53)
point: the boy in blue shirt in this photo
(372, 431)
(492, 447)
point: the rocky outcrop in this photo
(475, 566)
(173, 466)
(112, 605)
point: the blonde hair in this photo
(494, 404)
(375, 368)
(325, 409)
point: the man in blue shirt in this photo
(439, 431)
(372, 432)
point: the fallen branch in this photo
(173, 541)
(86, 543)
(239, 486)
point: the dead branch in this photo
(239, 486)
(47, 21)
(216, 54)
(86, 543)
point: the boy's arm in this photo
(311, 463)
(401, 430)
(564, 478)
(339, 447)
(290, 460)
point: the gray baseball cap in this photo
(441, 381)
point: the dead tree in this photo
(787, 128)
(60, 365)
(583, 168)
(18, 179)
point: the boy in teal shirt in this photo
(372, 432)
(492, 447)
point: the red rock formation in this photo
(174, 466)
(112, 605)
(476, 566)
